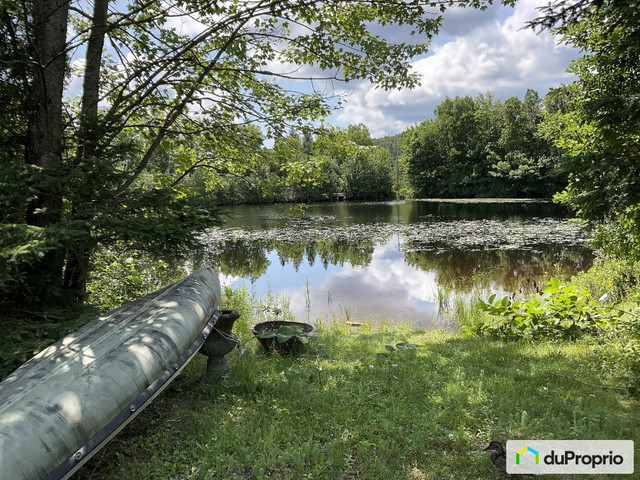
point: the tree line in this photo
(473, 147)
(484, 147)
(314, 168)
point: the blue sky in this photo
(475, 52)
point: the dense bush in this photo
(566, 311)
(560, 310)
(611, 279)
(483, 147)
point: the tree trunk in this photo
(44, 105)
(44, 132)
(89, 131)
(78, 255)
(76, 269)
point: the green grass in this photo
(358, 418)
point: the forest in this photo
(483, 147)
(166, 128)
(480, 147)
(128, 131)
(345, 161)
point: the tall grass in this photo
(458, 311)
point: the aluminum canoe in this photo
(60, 407)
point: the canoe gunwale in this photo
(106, 433)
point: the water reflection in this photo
(252, 258)
(510, 270)
(404, 212)
(374, 282)
(394, 260)
(385, 287)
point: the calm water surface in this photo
(399, 261)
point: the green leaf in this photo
(281, 338)
(284, 364)
(322, 353)
(292, 375)
(266, 335)
(291, 330)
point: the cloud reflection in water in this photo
(388, 288)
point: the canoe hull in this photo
(57, 409)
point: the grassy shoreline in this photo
(421, 414)
(360, 418)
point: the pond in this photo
(406, 261)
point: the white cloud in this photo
(73, 87)
(186, 22)
(497, 55)
(227, 280)
(387, 288)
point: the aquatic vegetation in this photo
(481, 200)
(402, 260)
(467, 234)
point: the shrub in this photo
(614, 279)
(561, 310)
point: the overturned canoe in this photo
(61, 406)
